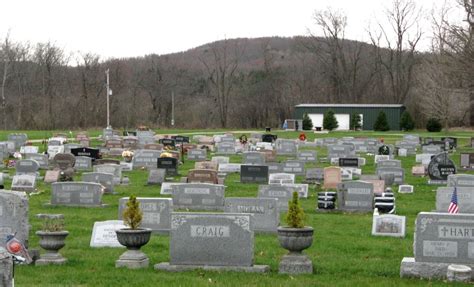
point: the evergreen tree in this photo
(307, 122)
(434, 125)
(406, 122)
(381, 123)
(329, 121)
(356, 122)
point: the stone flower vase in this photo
(133, 239)
(295, 240)
(52, 242)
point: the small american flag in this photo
(453, 206)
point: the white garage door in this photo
(317, 119)
(344, 122)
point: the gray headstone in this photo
(229, 167)
(301, 188)
(106, 179)
(156, 212)
(24, 182)
(29, 149)
(314, 174)
(18, 139)
(286, 147)
(41, 159)
(26, 166)
(6, 268)
(83, 163)
(103, 233)
(307, 156)
(211, 239)
(156, 176)
(280, 192)
(145, 159)
(265, 211)
(444, 238)
(253, 158)
(14, 208)
(220, 160)
(86, 194)
(389, 163)
(355, 196)
(398, 173)
(465, 199)
(225, 148)
(294, 166)
(431, 149)
(114, 169)
(274, 167)
(198, 196)
(167, 187)
(461, 180)
(280, 178)
(197, 154)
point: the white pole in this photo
(108, 93)
(172, 109)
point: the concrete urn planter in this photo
(52, 242)
(295, 240)
(133, 239)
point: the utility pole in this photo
(172, 108)
(109, 93)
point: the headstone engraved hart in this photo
(441, 239)
(332, 177)
(24, 182)
(253, 157)
(103, 233)
(278, 191)
(87, 194)
(264, 210)
(198, 196)
(169, 164)
(211, 242)
(253, 173)
(145, 159)
(307, 156)
(197, 154)
(467, 161)
(41, 159)
(465, 199)
(388, 225)
(439, 168)
(156, 176)
(286, 147)
(294, 166)
(14, 208)
(106, 179)
(83, 163)
(156, 212)
(355, 196)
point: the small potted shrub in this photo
(52, 238)
(133, 237)
(295, 237)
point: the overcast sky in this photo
(135, 28)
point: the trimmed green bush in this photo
(381, 123)
(434, 125)
(295, 216)
(307, 122)
(329, 121)
(132, 216)
(406, 122)
(356, 122)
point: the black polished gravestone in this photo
(85, 151)
(384, 150)
(180, 139)
(268, 138)
(170, 164)
(253, 173)
(439, 168)
(168, 142)
(349, 162)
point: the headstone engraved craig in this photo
(253, 157)
(253, 173)
(145, 159)
(198, 196)
(439, 168)
(264, 210)
(14, 208)
(203, 240)
(103, 233)
(83, 163)
(197, 154)
(106, 179)
(169, 164)
(87, 194)
(388, 225)
(156, 176)
(24, 182)
(294, 166)
(280, 192)
(156, 212)
(355, 196)
(307, 155)
(465, 199)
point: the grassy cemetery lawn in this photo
(344, 253)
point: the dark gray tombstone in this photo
(264, 210)
(439, 168)
(253, 173)
(106, 179)
(85, 151)
(170, 164)
(397, 172)
(349, 161)
(198, 196)
(14, 208)
(86, 194)
(355, 196)
(156, 176)
(156, 212)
